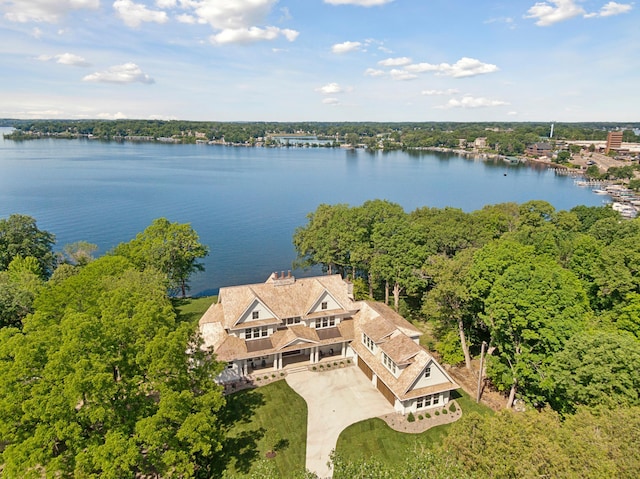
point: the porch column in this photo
(245, 368)
(314, 355)
(279, 358)
(344, 349)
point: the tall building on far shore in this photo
(614, 141)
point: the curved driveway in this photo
(335, 399)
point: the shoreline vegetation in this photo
(492, 138)
(575, 149)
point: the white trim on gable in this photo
(436, 376)
(296, 341)
(325, 297)
(256, 306)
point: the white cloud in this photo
(330, 89)
(133, 14)
(421, 67)
(48, 11)
(395, 62)
(112, 116)
(466, 67)
(186, 18)
(472, 102)
(402, 75)
(36, 33)
(39, 114)
(611, 9)
(231, 14)
(345, 47)
(449, 91)
(252, 34)
(166, 3)
(330, 101)
(237, 21)
(512, 113)
(162, 117)
(126, 73)
(360, 3)
(286, 14)
(372, 72)
(66, 59)
(547, 14)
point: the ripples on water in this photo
(245, 203)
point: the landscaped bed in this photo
(374, 437)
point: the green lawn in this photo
(261, 418)
(192, 309)
(373, 438)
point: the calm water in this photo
(245, 203)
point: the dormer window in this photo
(388, 362)
(368, 342)
(324, 305)
(255, 315)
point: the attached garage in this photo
(365, 368)
(386, 392)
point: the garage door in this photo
(365, 368)
(386, 392)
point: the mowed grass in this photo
(373, 438)
(192, 309)
(261, 419)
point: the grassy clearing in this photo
(469, 405)
(262, 419)
(192, 309)
(373, 438)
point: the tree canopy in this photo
(172, 248)
(20, 236)
(522, 278)
(103, 381)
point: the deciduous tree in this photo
(103, 382)
(20, 236)
(172, 248)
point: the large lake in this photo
(245, 203)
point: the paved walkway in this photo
(335, 399)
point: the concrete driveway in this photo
(335, 399)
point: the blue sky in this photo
(321, 60)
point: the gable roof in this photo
(293, 298)
(409, 356)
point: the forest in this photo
(101, 377)
(554, 294)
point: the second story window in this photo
(368, 342)
(388, 362)
(325, 322)
(255, 333)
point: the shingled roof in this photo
(400, 347)
(290, 299)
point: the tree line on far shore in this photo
(508, 138)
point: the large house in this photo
(290, 321)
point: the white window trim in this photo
(389, 364)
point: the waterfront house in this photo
(480, 143)
(539, 149)
(289, 322)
